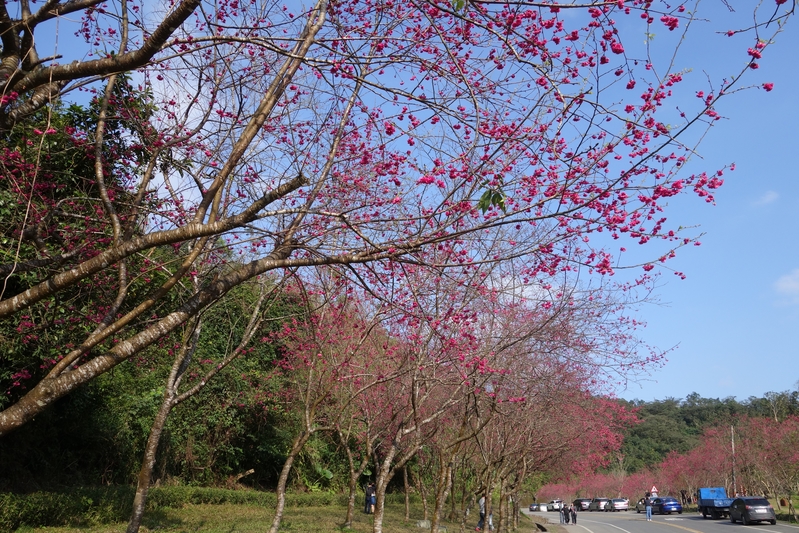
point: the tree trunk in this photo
(442, 490)
(170, 400)
(465, 505)
(453, 505)
(501, 518)
(383, 477)
(422, 493)
(355, 474)
(280, 492)
(145, 473)
(407, 488)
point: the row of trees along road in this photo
(451, 170)
(746, 454)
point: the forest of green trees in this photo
(675, 424)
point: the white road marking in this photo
(611, 525)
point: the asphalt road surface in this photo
(632, 522)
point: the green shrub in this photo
(75, 507)
(91, 506)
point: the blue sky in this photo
(735, 319)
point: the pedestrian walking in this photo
(481, 522)
(573, 511)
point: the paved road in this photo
(632, 522)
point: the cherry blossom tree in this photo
(366, 137)
(326, 356)
(765, 455)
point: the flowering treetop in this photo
(383, 136)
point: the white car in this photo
(555, 505)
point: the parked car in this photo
(619, 504)
(533, 506)
(599, 504)
(666, 505)
(581, 504)
(640, 507)
(750, 509)
(555, 505)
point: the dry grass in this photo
(254, 519)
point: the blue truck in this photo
(713, 502)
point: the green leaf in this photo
(492, 197)
(485, 201)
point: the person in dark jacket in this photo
(369, 498)
(573, 512)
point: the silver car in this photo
(599, 504)
(581, 504)
(619, 504)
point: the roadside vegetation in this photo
(182, 509)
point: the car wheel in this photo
(637, 510)
(732, 518)
(772, 522)
(744, 520)
(679, 512)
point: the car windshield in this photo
(669, 500)
(757, 502)
(620, 500)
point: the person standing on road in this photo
(648, 505)
(573, 511)
(565, 511)
(561, 515)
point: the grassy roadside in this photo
(230, 518)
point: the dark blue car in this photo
(666, 505)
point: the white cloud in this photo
(788, 284)
(767, 198)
